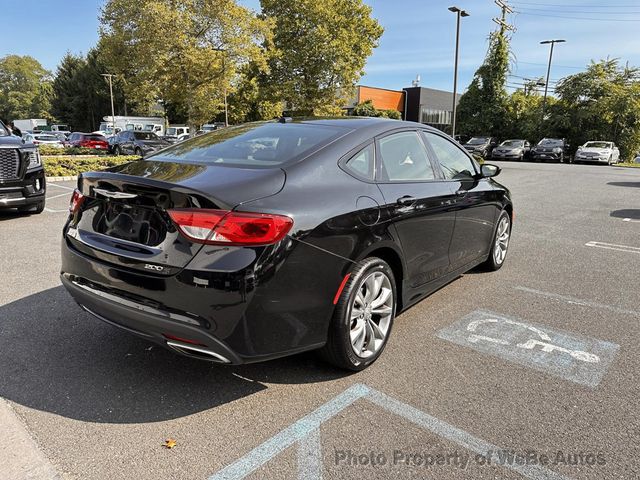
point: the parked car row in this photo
(547, 149)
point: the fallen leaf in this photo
(169, 443)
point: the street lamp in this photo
(113, 115)
(459, 13)
(224, 71)
(546, 85)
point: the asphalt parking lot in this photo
(539, 359)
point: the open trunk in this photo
(123, 218)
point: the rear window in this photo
(145, 136)
(98, 138)
(253, 145)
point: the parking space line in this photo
(613, 246)
(65, 194)
(456, 435)
(51, 184)
(310, 457)
(49, 210)
(632, 220)
(309, 426)
(290, 435)
(578, 301)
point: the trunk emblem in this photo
(110, 194)
(157, 268)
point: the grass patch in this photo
(68, 165)
(628, 164)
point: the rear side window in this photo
(362, 163)
(404, 158)
(253, 145)
(454, 162)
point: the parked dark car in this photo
(481, 146)
(272, 238)
(87, 140)
(22, 181)
(554, 149)
(512, 150)
(130, 142)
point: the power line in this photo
(544, 65)
(578, 18)
(517, 2)
(580, 11)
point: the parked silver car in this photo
(512, 150)
(599, 152)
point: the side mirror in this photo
(487, 170)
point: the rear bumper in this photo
(154, 324)
(253, 312)
(24, 192)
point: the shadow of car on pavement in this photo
(59, 359)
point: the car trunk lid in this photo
(124, 220)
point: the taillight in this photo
(76, 201)
(219, 227)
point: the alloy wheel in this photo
(502, 241)
(371, 313)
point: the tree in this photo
(481, 110)
(601, 103)
(320, 51)
(367, 109)
(25, 88)
(184, 53)
(81, 95)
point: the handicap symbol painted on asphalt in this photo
(567, 355)
(529, 344)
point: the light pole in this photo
(224, 71)
(113, 114)
(546, 85)
(459, 13)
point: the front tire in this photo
(138, 152)
(363, 317)
(117, 151)
(500, 243)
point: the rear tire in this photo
(500, 243)
(363, 318)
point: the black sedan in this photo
(138, 143)
(272, 238)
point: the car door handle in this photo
(407, 200)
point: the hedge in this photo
(49, 150)
(67, 165)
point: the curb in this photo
(62, 179)
(21, 456)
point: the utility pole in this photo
(113, 114)
(502, 21)
(224, 74)
(459, 13)
(546, 85)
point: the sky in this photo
(419, 36)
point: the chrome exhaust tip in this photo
(197, 350)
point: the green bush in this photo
(49, 150)
(62, 166)
(366, 109)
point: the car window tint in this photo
(404, 158)
(361, 164)
(263, 145)
(454, 162)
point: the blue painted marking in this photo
(306, 431)
(580, 359)
(290, 435)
